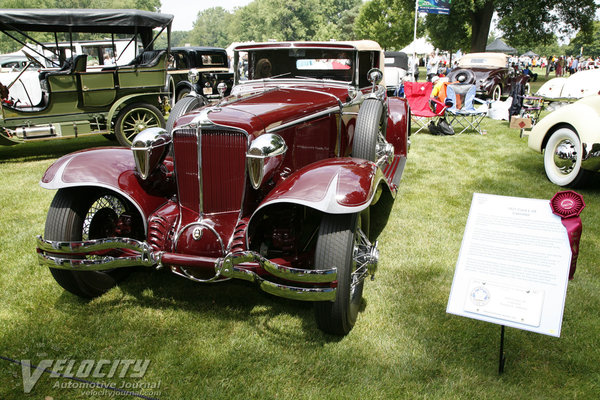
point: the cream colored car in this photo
(569, 138)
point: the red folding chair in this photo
(423, 108)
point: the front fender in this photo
(583, 116)
(127, 99)
(398, 125)
(332, 186)
(109, 168)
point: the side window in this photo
(366, 61)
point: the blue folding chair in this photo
(463, 112)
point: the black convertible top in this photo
(82, 20)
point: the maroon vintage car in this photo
(491, 73)
(273, 184)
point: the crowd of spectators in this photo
(560, 65)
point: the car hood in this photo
(265, 108)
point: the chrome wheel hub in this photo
(565, 156)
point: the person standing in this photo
(432, 66)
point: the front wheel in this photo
(369, 124)
(183, 106)
(338, 241)
(78, 214)
(562, 158)
(134, 118)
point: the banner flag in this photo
(434, 6)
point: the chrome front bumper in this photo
(56, 254)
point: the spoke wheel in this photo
(76, 214)
(562, 159)
(135, 118)
(339, 241)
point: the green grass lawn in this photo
(230, 341)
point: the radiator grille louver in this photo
(222, 154)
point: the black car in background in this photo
(209, 65)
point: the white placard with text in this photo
(513, 265)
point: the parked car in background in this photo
(491, 73)
(396, 70)
(210, 66)
(580, 84)
(12, 62)
(74, 100)
(273, 184)
(570, 142)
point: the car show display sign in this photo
(514, 261)
(434, 6)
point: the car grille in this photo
(222, 154)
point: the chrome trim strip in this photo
(100, 264)
(276, 289)
(87, 246)
(226, 267)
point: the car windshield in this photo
(296, 63)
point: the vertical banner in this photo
(434, 6)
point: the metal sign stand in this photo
(502, 358)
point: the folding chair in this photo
(421, 104)
(463, 112)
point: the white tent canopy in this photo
(419, 46)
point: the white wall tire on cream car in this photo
(562, 158)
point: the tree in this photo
(389, 22)
(524, 24)
(587, 44)
(210, 28)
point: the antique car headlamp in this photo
(193, 76)
(150, 147)
(264, 157)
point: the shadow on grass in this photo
(227, 301)
(48, 149)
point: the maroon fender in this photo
(397, 126)
(333, 186)
(111, 168)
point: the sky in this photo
(186, 11)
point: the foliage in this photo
(524, 24)
(590, 42)
(539, 21)
(388, 22)
(211, 28)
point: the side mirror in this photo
(374, 76)
(264, 157)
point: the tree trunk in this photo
(481, 19)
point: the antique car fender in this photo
(398, 125)
(111, 168)
(583, 116)
(333, 186)
(123, 101)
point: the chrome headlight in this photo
(150, 147)
(193, 76)
(264, 157)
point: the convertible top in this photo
(82, 20)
